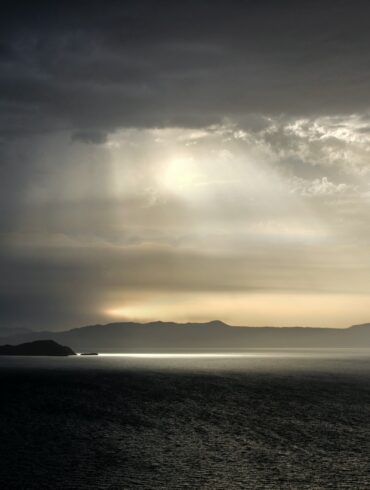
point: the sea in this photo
(273, 419)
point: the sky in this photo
(184, 161)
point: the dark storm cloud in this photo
(102, 66)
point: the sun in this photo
(181, 176)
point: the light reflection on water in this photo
(253, 353)
(208, 355)
(272, 360)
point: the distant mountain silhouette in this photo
(36, 348)
(215, 335)
(7, 331)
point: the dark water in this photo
(293, 419)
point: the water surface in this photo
(260, 419)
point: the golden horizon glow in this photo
(253, 309)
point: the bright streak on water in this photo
(267, 354)
(178, 356)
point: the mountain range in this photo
(179, 337)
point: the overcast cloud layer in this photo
(185, 161)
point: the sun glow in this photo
(180, 176)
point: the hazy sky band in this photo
(184, 161)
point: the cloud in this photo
(318, 187)
(335, 145)
(79, 283)
(92, 137)
(133, 66)
(180, 148)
